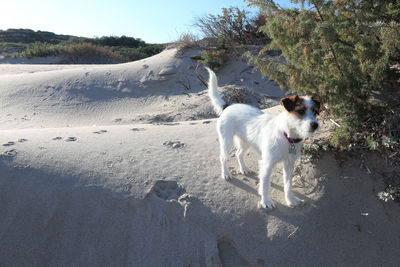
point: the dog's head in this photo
(302, 112)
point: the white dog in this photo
(275, 137)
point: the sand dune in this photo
(118, 165)
(160, 88)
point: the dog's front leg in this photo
(288, 167)
(265, 170)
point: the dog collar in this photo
(292, 141)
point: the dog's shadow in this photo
(242, 185)
(243, 182)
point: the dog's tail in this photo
(216, 100)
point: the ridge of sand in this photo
(163, 87)
(79, 188)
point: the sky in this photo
(154, 21)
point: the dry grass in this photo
(187, 40)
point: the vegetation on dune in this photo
(27, 36)
(237, 26)
(215, 58)
(346, 52)
(28, 43)
(233, 28)
(131, 54)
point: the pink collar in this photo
(291, 140)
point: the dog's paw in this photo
(294, 202)
(226, 176)
(245, 171)
(267, 204)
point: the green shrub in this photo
(122, 41)
(89, 49)
(215, 57)
(132, 54)
(372, 144)
(41, 50)
(339, 50)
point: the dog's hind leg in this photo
(225, 143)
(241, 147)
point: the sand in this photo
(118, 165)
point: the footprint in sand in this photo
(71, 139)
(174, 144)
(169, 123)
(22, 140)
(100, 132)
(10, 153)
(109, 164)
(9, 144)
(57, 138)
(167, 190)
(137, 129)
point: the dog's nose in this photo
(314, 125)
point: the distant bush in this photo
(340, 50)
(28, 36)
(224, 32)
(28, 43)
(132, 54)
(70, 50)
(89, 49)
(122, 41)
(236, 25)
(41, 50)
(186, 40)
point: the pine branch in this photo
(330, 46)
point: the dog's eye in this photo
(301, 111)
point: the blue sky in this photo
(154, 21)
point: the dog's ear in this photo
(289, 103)
(317, 103)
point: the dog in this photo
(276, 137)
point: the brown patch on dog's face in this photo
(289, 102)
(316, 107)
(300, 109)
(295, 105)
(315, 110)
